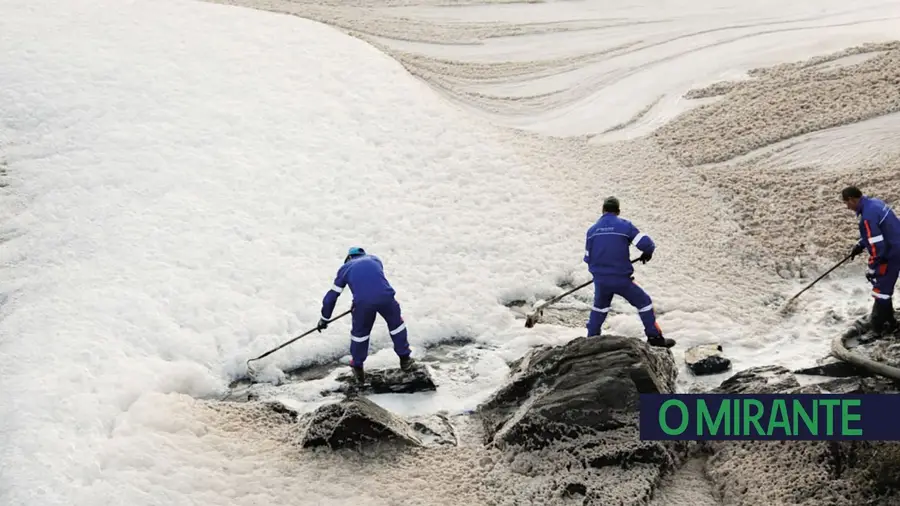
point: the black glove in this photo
(870, 275)
(645, 257)
(857, 249)
(323, 324)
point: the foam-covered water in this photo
(184, 180)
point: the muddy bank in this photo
(789, 218)
(778, 147)
(785, 101)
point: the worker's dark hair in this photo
(611, 205)
(850, 192)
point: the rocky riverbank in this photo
(565, 425)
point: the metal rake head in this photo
(532, 318)
(251, 373)
(789, 307)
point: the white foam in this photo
(186, 178)
(192, 176)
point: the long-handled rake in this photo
(789, 305)
(538, 310)
(252, 373)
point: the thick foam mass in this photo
(188, 178)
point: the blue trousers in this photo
(364, 319)
(885, 280)
(604, 290)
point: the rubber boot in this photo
(878, 318)
(867, 328)
(890, 325)
(407, 363)
(661, 342)
(359, 373)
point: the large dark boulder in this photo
(353, 422)
(571, 413)
(761, 473)
(357, 421)
(588, 386)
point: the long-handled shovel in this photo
(538, 310)
(250, 371)
(789, 304)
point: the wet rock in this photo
(569, 415)
(588, 386)
(575, 489)
(283, 412)
(759, 380)
(843, 386)
(281, 409)
(313, 371)
(834, 368)
(389, 381)
(705, 359)
(353, 422)
(435, 430)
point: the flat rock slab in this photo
(354, 422)
(767, 379)
(388, 381)
(706, 359)
(435, 430)
(833, 368)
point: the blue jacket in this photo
(365, 277)
(606, 247)
(879, 230)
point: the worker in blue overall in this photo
(879, 233)
(606, 252)
(372, 296)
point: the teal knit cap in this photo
(354, 252)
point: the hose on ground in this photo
(839, 350)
